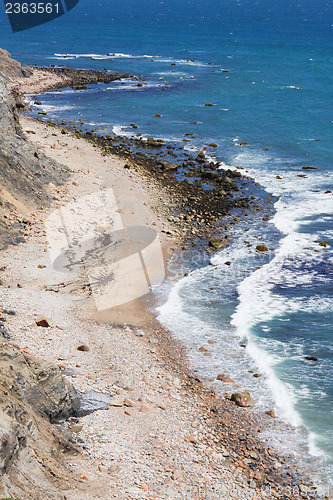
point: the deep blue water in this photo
(277, 96)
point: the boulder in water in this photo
(243, 399)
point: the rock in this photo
(218, 243)
(243, 399)
(224, 378)
(303, 489)
(191, 439)
(256, 375)
(116, 403)
(310, 358)
(42, 112)
(177, 474)
(42, 321)
(278, 177)
(139, 333)
(129, 402)
(210, 105)
(91, 401)
(212, 145)
(133, 125)
(252, 483)
(41, 266)
(221, 492)
(148, 410)
(309, 168)
(83, 348)
(202, 349)
(160, 403)
(323, 243)
(270, 413)
(228, 263)
(157, 116)
(261, 248)
(177, 383)
(243, 144)
(113, 468)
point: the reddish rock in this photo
(42, 321)
(224, 378)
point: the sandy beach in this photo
(163, 434)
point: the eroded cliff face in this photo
(24, 170)
(32, 393)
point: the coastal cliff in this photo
(32, 393)
(24, 169)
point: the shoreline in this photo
(195, 388)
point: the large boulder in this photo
(243, 399)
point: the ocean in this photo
(267, 69)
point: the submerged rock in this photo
(218, 243)
(224, 378)
(310, 358)
(261, 248)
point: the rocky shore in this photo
(165, 432)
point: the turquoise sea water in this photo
(268, 68)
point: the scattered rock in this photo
(252, 483)
(42, 321)
(176, 382)
(83, 348)
(116, 403)
(224, 378)
(113, 468)
(191, 439)
(243, 399)
(177, 474)
(148, 410)
(129, 402)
